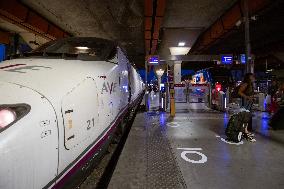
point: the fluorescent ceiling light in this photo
(179, 50)
(181, 44)
(82, 48)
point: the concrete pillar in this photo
(177, 71)
(249, 62)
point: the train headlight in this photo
(9, 114)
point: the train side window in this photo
(113, 56)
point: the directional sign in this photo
(153, 59)
(227, 59)
(243, 58)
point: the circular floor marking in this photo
(192, 151)
(233, 143)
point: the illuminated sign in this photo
(243, 58)
(162, 87)
(218, 87)
(227, 59)
(153, 60)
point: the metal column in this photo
(249, 62)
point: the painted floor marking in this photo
(233, 143)
(192, 151)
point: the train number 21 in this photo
(91, 123)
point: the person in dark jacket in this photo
(246, 92)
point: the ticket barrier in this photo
(180, 93)
(199, 93)
(260, 102)
(219, 100)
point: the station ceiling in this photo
(120, 20)
(152, 26)
(185, 20)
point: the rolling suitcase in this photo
(236, 126)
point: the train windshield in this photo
(87, 48)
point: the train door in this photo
(130, 87)
(80, 114)
(123, 78)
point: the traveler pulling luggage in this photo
(245, 91)
(237, 126)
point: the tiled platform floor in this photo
(188, 151)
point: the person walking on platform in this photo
(246, 92)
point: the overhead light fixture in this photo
(82, 48)
(160, 72)
(179, 50)
(181, 44)
(238, 23)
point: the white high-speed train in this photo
(59, 108)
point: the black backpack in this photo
(236, 126)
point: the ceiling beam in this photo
(148, 12)
(225, 24)
(19, 14)
(154, 13)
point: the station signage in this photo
(226, 58)
(243, 58)
(153, 59)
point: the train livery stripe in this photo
(83, 157)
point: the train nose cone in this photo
(29, 144)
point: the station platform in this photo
(190, 151)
